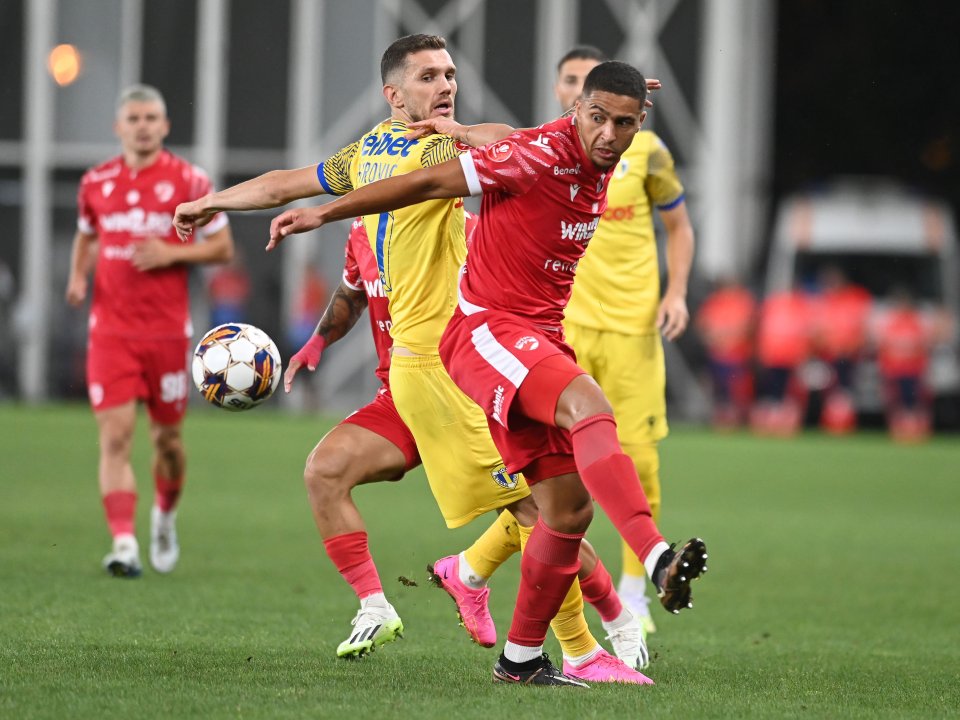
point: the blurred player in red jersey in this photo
(544, 193)
(840, 336)
(784, 343)
(903, 343)
(139, 326)
(726, 322)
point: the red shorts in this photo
(381, 417)
(489, 354)
(123, 369)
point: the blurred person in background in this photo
(228, 287)
(784, 344)
(139, 326)
(616, 314)
(840, 336)
(903, 342)
(726, 322)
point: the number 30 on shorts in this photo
(173, 386)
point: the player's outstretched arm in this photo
(472, 135)
(270, 190)
(345, 308)
(153, 253)
(673, 314)
(445, 180)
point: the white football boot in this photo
(376, 623)
(633, 593)
(124, 560)
(164, 548)
(629, 640)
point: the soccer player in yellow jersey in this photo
(616, 314)
(418, 251)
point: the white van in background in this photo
(882, 237)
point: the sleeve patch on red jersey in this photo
(499, 151)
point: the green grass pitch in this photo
(832, 592)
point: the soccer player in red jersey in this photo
(139, 328)
(374, 445)
(544, 191)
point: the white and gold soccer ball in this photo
(236, 366)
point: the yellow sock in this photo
(647, 461)
(570, 626)
(498, 542)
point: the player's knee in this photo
(116, 441)
(573, 519)
(327, 471)
(581, 399)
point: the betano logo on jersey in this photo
(578, 231)
(137, 222)
(387, 143)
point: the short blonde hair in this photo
(141, 93)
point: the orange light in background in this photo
(64, 64)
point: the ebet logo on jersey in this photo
(387, 143)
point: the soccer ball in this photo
(236, 366)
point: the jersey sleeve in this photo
(351, 268)
(200, 185)
(334, 172)
(440, 148)
(512, 165)
(662, 183)
(86, 218)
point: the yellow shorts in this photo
(466, 474)
(631, 371)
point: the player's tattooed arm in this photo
(345, 308)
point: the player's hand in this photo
(652, 84)
(308, 355)
(438, 125)
(76, 291)
(673, 315)
(151, 254)
(293, 221)
(189, 216)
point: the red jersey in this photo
(542, 201)
(123, 207)
(784, 335)
(726, 322)
(360, 272)
(842, 321)
(903, 344)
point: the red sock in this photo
(167, 492)
(120, 506)
(351, 555)
(610, 476)
(547, 568)
(598, 590)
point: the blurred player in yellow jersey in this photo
(616, 315)
(418, 251)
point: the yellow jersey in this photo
(419, 249)
(617, 286)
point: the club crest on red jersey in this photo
(164, 191)
(498, 152)
(527, 342)
(108, 187)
